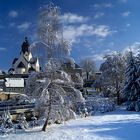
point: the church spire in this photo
(25, 46)
(26, 39)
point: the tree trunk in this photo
(118, 98)
(87, 75)
(118, 91)
(8, 96)
(45, 125)
(48, 116)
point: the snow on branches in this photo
(131, 91)
(112, 76)
(55, 89)
(50, 33)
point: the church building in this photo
(25, 63)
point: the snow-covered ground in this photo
(116, 125)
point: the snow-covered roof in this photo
(33, 60)
(12, 93)
(15, 60)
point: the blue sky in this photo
(94, 27)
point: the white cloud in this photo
(98, 15)
(72, 33)
(103, 5)
(126, 14)
(2, 49)
(135, 48)
(102, 31)
(13, 13)
(24, 26)
(73, 18)
(98, 57)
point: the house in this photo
(13, 82)
(22, 66)
(25, 63)
(72, 68)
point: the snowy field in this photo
(117, 125)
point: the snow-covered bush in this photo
(21, 99)
(78, 80)
(22, 123)
(34, 121)
(99, 104)
(6, 126)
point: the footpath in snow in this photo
(116, 125)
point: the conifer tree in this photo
(22, 123)
(132, 87)
(6, 125)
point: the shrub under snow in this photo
(100, 104)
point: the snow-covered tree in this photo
(7, 125)
(88, 66)
(112, 76)
(34, 121)
(7, 120)
(50, 33)
(131, 91)
(56, 98)
(54, 92)
(53, 89)
(22, 123)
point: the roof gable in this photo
(21, 65)
(15, 60)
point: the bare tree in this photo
(88, 65)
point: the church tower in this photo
(26, 63)
(25, 49)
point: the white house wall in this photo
(25, 58)
(20, 70)
(14, 82)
